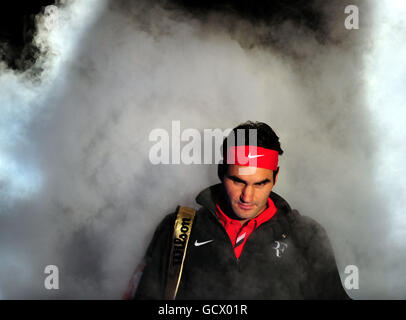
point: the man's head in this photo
(248, 188)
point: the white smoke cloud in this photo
(23, 97)
(386, 98)
(78, 140)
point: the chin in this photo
(244, 214)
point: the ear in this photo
(276, 177)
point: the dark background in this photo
(17, 20)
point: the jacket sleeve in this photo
(322, 277)
(152, 280)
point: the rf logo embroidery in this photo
(280, 248)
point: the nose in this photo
(247, 194)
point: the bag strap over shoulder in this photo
(180, 240)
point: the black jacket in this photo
(287, 257)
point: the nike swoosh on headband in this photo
(252, 157)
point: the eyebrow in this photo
(235, 178)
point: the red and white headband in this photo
(253, 156)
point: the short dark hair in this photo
(266, 138)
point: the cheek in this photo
(232, 190)
(263, 194)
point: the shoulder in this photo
(169, 219)
(301, 226)
(304, 222)
(164, 227)
(311, 237)
(305, 226)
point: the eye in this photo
(261, 184)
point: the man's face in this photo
(248, 193)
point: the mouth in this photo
(245, 206)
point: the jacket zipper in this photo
(253, 234)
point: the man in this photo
(245, 241)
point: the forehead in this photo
(250, 174)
